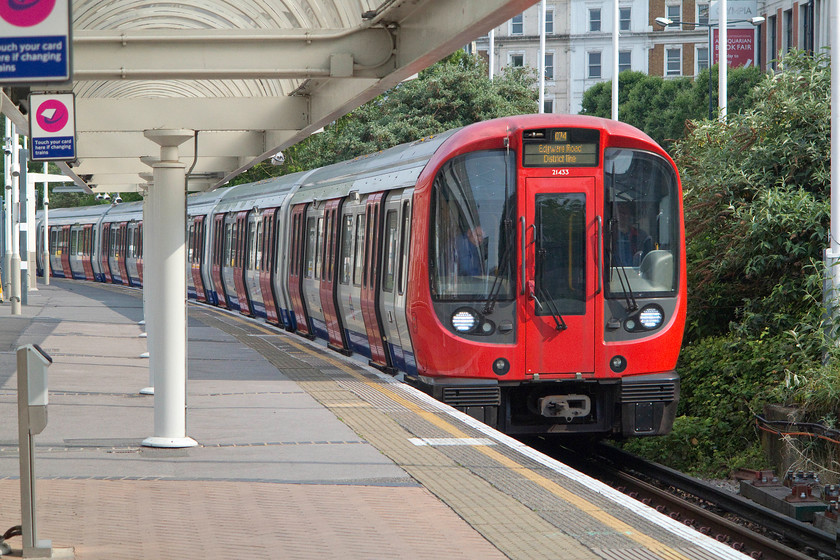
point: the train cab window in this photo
(346, 257)
(359, 258)
(472, 233)
(641, 239)
(389, 273)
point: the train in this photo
(527, 270)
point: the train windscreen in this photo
(472, 234)
(641, 241)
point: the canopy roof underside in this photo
(247, 78)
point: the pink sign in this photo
(25, 13)
(741, 51)
(52, 115)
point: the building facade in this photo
(579, 51)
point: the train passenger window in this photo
(191, 243)
(346, 250)
(310, 248)
(359, 258)
(257, 244)
(319, 248)
(472, 233)
(406, 227)
(230, 242)
(253, 234)
(389, 273)
(53, 242)
(74, 242)
(640, 224)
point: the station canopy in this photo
(248, 77)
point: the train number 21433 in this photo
(559, 171)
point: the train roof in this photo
(396, 167)
(124, 212)
(75, 214)
(270, 192)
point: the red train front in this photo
(550, 292)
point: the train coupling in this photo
(565, 406)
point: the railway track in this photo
(746, 526)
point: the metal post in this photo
(832, 254)
(46, 228)
(615, 61)
(723, 59)
(166, 281)
(25, 225)
(491, 52)
(14, 269)
(7, 199)
(711, 54)
(541, 64)
(148, 256)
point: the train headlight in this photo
(464, 320)
(651, 317)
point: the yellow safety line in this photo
(582, 504)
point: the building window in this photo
(595, 19)
(594, 64)
(623, 61)
(674, 13)
(624, 19)
(702, 57)
(548, 105)
(787, 23)
(517, 60)
(673, 61)
(772, 41)
(549, 66)
(702, 13)
(516, 25)
(549, 21)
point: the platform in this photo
(303, 454)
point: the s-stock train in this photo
(527, 270)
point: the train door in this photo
(219, 258)
(122, 252)
(104, 251)
(351, 264)
(267, 262)
(371, 281)
(239, 244)
(560, 275)
(253, 263)
(195, 256)
(296, 269)
(64, 248)
(335, 330)
(389, 290)
(87, 250)
(140, 252)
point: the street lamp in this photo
(722, 59)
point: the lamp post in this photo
(722, 59)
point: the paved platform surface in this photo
(301, 454)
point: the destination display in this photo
(560, 148)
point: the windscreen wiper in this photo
(552, 309)
(496, 287)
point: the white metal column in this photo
(165, 278)
(723, 58)
(14, 268)
(832, 254)
(7, 199)
(46, 255)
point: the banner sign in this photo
(741, 51)
(34, 41)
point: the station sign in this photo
(34, 41)
(52, 126)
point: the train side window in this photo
(140, 241)
(389, 274)
(258, 246)
(328, 234)
(74, 242)
(53, 242)
(319, 243)
(359, 259)
(406, 226)
(229, 241)
(190, 243)
(310, 247)
(346, 250)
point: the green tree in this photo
(756, 211)
(661, 107)
(452, 93)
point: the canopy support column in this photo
(166, 281)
